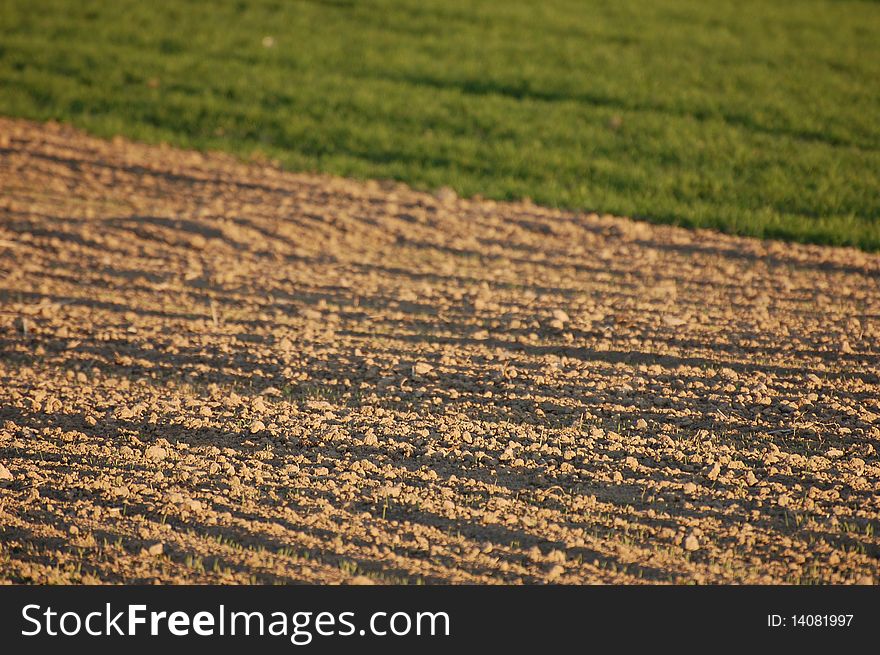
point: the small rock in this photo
(174, 497)
(155, 453)
(125, 413)
(561, 316)
(714, 472)
(555, 572)
(5, 473)
(392, 491)
(641, 424)
(445, 194)
(156, 549)
(121, 491)
(422, 368)
(257, 426)
(788, 407)
(557, 556)
(691, 543)
(673, 321)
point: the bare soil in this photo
(213, 371)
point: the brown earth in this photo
(220, 372)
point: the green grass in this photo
(758, 117)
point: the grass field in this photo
(758, 117)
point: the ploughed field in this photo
(219, 372)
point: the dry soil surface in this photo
(213, 371)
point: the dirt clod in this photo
(155, 453)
